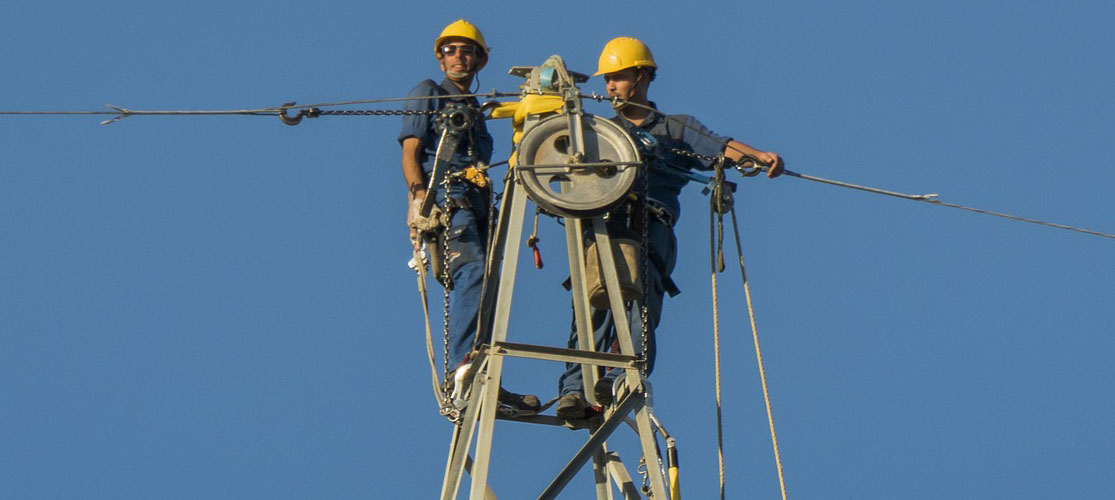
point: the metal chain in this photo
(374, 112)
(748, 167)
(691, 154)
(445, 284)
(644, 250)
(311, 112)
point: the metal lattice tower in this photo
(576, 166)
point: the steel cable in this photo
(121, 113)
(927, 198)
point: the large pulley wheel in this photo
(595, 184)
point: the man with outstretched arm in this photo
(629, 68)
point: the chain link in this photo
(311, 112)
(644, 250)
(748, 167)
(374, 112)
(445, 284)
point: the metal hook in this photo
(487, 107)
(297, 118)
(287, 119)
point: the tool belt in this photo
(433, 231)
(656, 209)
(626, 223)
(635, 208)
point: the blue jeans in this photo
(663, 255)
(466, 254)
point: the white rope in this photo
(422, 291)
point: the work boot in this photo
(571, 406)
(457, 385)
(603, 391)
(458, 397)
(519, 402)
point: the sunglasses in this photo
(466, 50)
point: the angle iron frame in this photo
(479, 417)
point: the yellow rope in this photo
(719, 417)
(766, 393)
(422, 291)
(719, 410)
(721, 203)
(759, 360)
(716, 265)
(715, 249)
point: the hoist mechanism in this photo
(572, 164)
(455, 120)
(577, 167)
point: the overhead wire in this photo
(932, 199)
(120, 113)
(925, 198)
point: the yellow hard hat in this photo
(622, 53)
(461, 29)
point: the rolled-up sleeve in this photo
(701, 139)
(418, 125)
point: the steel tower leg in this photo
(623, 334)
(499, 334)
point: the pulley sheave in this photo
(568, 186)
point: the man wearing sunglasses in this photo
(628, 68)
(461, 52)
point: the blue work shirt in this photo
(423, 127)
(682, 132)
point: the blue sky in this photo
(218, 307)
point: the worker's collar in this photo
(450, 87)
(651, 119)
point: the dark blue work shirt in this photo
(682, 132)
(422, 126)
